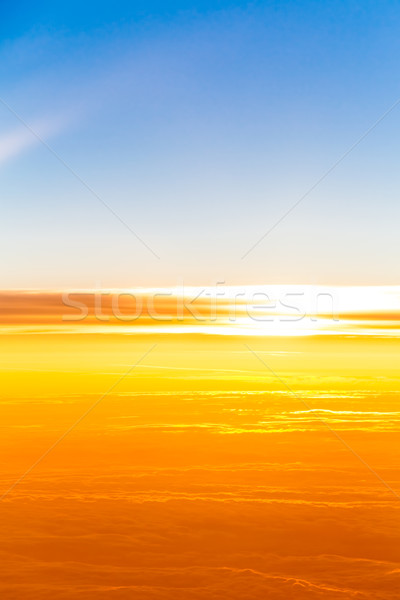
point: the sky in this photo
(155, 143)
(199, 300)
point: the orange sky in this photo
(196, 466)
(177, 421)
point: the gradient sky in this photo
(200, 124)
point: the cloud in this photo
(23, 137)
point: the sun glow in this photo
(196, 431)
(247, 311)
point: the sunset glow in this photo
(199, 300)
(236, 459)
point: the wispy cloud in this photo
(20, 139)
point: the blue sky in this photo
(200, 125)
